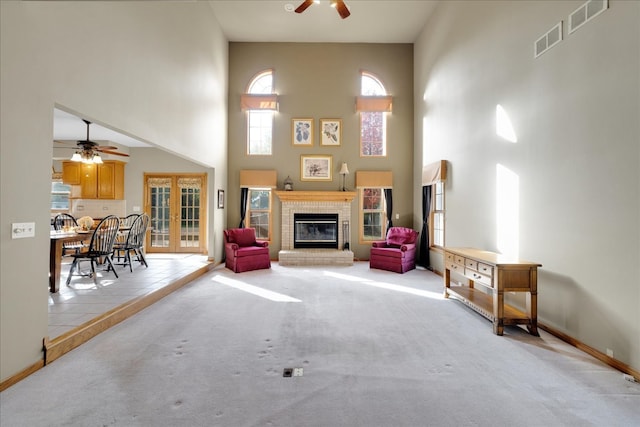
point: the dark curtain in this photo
(244, 195)
(424, 235)
(388, 197)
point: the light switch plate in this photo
(20, 230)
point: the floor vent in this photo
(586, 12)
(548, 40)
(292, 372)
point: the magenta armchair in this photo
(397, 253)
(243, 252)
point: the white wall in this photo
(155, 70)
(575, 111)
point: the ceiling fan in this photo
(339, 5)
(88, 151)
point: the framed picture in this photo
(302, 132)
(315, 167)
(220, 199)
(330, 131)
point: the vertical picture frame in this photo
(302, 132)
(220, 199)
(330, 132)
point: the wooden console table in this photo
(497, 274)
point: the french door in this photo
(176, 205)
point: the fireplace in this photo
(313, 209)
(315, 230)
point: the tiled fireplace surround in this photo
(332, 202)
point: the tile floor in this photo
(83, 300)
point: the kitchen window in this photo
(60, 197)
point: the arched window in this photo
(260, 103)
(373, 104)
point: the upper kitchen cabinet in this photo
(94, 181)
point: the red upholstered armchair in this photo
(397, 253)
(243, 252)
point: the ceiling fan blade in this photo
(105, 147)
(303, 6)
(342, 9)
(114, 152)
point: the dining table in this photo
(57, 240)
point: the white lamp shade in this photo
(344, 170)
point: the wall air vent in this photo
(548, 40)
(586, 12)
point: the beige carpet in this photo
(367, 348)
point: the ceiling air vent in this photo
(586, 12)
(547, 41)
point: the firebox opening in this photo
(314, 230)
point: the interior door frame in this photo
(174, 200)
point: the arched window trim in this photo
(256, 78)
(376, 79)
(372, 104)
(260, 102)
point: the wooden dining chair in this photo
(133, 243)
(64, 221)
(100, 248)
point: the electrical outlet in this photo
(397, 216)
(609, 352)
(297, 372)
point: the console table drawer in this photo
(454, 267)
(472, 264)
(478, 278)
(485, 269)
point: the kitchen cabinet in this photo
(94, 181)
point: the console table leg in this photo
(498, 312)
(447, 282)
(532, 313)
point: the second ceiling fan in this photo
(339, 5)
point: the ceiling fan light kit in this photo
(339, 5)
(89, 151)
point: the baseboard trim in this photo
(21, 375)
(614, 363)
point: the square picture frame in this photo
(302, 132)
(330, 132)
(220, 199)
(316, 167)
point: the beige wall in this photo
(575, 112)
(111, 62)
(321, 81)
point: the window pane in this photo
(260, 221)
(371, 86)
(372, 134)
(372, 198)
(259, 199)
(372, 227)
(262, 84)
(260, 131)
(60, 196)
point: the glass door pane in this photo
(160, 216)
(190, 218)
